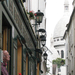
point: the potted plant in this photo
(59, 62)
(31, 14)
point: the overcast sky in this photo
(54, 12)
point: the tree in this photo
(58, 62)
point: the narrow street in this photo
(35, 39)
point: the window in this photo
(57, 39)
(61, 38)
(58, 52)
(62, 54)
(54, 40)
(66, 7)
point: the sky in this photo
(54, 12)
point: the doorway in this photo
(19, 57)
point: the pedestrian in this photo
(6, 58)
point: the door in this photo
(19, 57)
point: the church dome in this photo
(61, 26)
(66, 2)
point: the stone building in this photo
(34, 6)
(69, 36)
(18, 38)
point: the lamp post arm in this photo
(48, 50)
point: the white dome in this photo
(61, 26)
(66, 2)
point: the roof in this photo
(61, 26)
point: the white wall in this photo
(63, 70)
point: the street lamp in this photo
(42, 32)
(62, 62)
(45, 56)
(43, 40)
(39, 16)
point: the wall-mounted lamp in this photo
(39, 16)
(45, 56)
(41, 71)
(42, 31)
(43, 40)
(62, 62)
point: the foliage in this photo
(58, 62)
(54, 61)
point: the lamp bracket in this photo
(34, 24)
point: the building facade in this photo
(18, 38)
(69, 36)
(34, 6)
